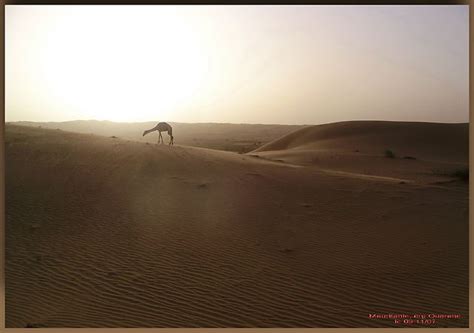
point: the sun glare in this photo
(253, 64)
(122, 72)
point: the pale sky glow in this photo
(239, 64)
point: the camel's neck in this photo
(148, 131)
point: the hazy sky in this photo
(240, 64)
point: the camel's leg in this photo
(160, 137)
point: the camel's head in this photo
(144, 133)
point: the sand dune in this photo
(423, 151)
(103, 232)
(436, 141)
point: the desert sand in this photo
(240, 138)
(317, 228)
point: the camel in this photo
(162, 127)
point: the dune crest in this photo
(414, 150)
(437, 141)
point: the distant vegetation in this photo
(389, 154)
(462, 174)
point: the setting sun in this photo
(107, 68)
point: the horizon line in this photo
(241, 123)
